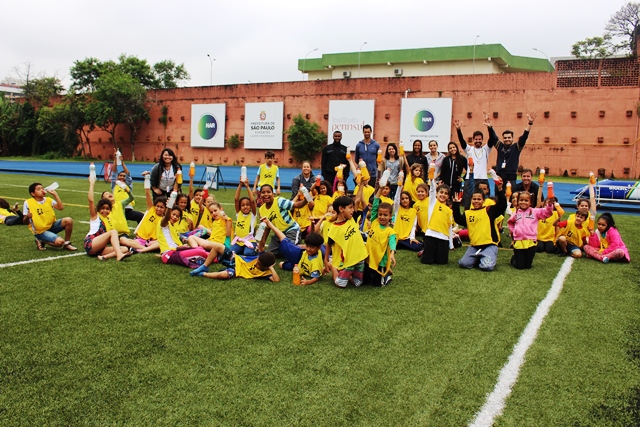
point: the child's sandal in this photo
(68, 246)
(40, 245)
(101, 258)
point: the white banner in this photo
(207, 125)
(263, 125)
(211, 177)
(425, 119)
(349, 117)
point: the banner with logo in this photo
(425, 119)
(349, 117)
(263, 125)
(207, 125)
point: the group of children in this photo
(353, 237)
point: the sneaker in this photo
(386, 280)
(199, 271)
(605, 260)
(419, 254)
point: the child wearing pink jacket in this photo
(523, 226)
(605, 244)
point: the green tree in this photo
(119, 99)
(39, 91)
(9, 119)
(593, 48)
(625, 24)
(305, 139)
(168, 74)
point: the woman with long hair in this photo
(164, 175)
(453, 167)
(395, 164)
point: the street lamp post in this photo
(548, 60)
(359, 53)
(474, 53)
(304, 63)
(211, 70)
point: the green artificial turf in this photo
(138, 342)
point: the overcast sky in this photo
(261, 41)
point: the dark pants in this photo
(547, 247)
(523, 258)
(435, 251)
(133, 215)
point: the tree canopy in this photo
(620, 36)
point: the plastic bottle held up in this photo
(541, 176)
(118, 158)
(385, 177)
(495, 177)
(400, 149)
(470, 161)
(340, 173)
(147, 181)
(401, 178)
(243, 173)
(348, 156)
(192, 169)
(179, 176)
(550, 189)
(365, 172)
(507, 192)
(592, 178)
(260, 231)
(318, 180)
(306, 193)
(172, 199)
(296, 275)
(121, 185)
(92, 171)
(432, 171)
(379, 158)
(205, 191)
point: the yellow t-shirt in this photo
(348, 245)
(479, 226)
(441, 218)
(321, 205)
(147, 229)
(405, 218)
(309, 266)
(42, 215)
(218, 231)
(4, 213)
(546, 229)
(422, 210)
(411, 187)
(247, 269)
(162, 239)
(378, 245)
(267, 175)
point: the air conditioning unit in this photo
(398, 72)
(346, 74)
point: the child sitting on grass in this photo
(9, 215)
(345, 242)
(307, 256)
(573, 235)
(606, 244)
(244, 243)
(381, 243)
(171, 248)
(38, 212)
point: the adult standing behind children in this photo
(268, 173)
(38, 212)
(477, 152)
(527, 183)
(452, 167)
(163, 175)
(367, 150)
(305, 178)
(416, 156)
(508, 152)
(334, 155)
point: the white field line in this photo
(496, 401)
(51, 258)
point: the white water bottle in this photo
(260, 232)
(121, 185)
(243, 173)
(92, 172)
(52, 187)
(147, 181)
(401, 178)
(385, 177)
(172, 199)
(306, 193)
(118, 158)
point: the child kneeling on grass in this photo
(523, 225)
(308, 256)
(248, 267)
(345, 241)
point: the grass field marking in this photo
(496, 401)
(51, 258)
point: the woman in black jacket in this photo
(453, 166)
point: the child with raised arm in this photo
(345, 242)
(119, 192)
(146, 238)
(268, 173)
(259, 266)
(438, 235)
(573, 234)
(244, 243)
(221, 226)
(308, 256)
(479, 220)
(38, 212)
(322, 198)
(546, 226)
(606, 244)
(413, 180)
(523, 226)
(405, 222)
(381, 243)
(101, 231)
